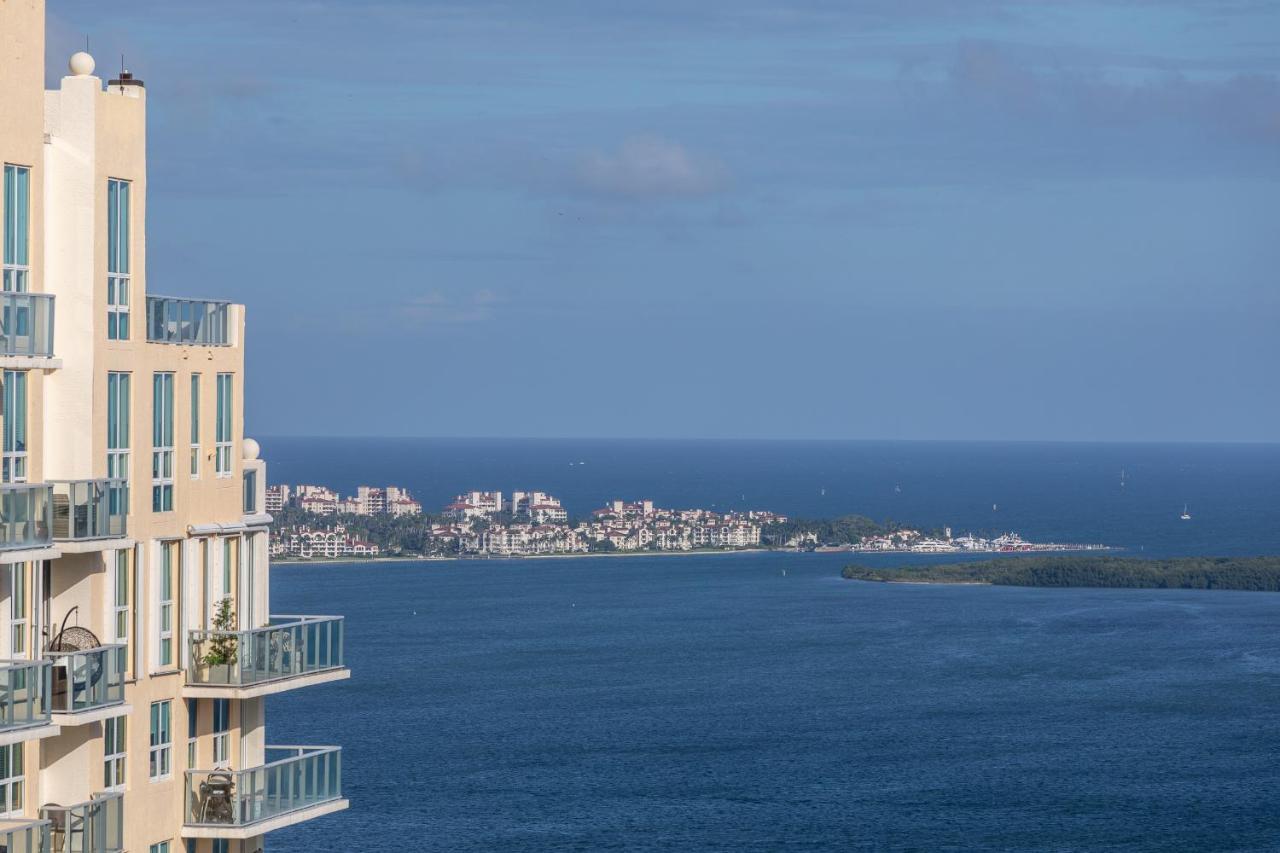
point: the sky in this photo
(724, 219)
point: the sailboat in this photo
(1186, 516)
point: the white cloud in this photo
(651, 166)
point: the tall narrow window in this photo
(118, 277)
(18, 610)
(195, 425)
(221, 732)
(228, 566)
(193, 731)
(222, 463)
(162, 443)
(160, 756)
(165, 621)
(113, 751)
(13, 469)
(118, 425)
(17, 226)
(12, 780)
(121, 599)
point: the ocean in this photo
(757, 702)
(1043, 491)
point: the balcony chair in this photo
(216, 793)
(74, 639)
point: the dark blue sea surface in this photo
(757, 702)
(1043, 491)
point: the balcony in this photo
(94, 826)
(195, 322)
(91, 513)
(298, 783)
(291, 652)
(25, 687)
(87, 686)
(26, 328)
(25, 517)
(20, 835)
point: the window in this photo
(221, 732)
(11, 780)
(113, 748)
(17, 227)
(121, 602)
(159, 847)
(162, 442)
(228, 566)
(118, 279)
(118, 426)
(14, 466)
(221, 845)
(222, 463)
(160, 757)
(195, 425)
(193, 731)
(250, 492)
(165, 622)
(18, 610)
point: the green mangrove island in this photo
(1260, 574)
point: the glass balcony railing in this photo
(21, 835)
(294, 778)
(289, 646)
(25, 515)
(25, 686)
(26, 324)
(88, 680)
(89, 509)
(204, 322)
(95, 826)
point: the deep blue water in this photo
(1043, 491)
(710, 703)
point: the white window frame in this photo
(19, 596)
(14, 469)
(118, 420)
(13, 786)
(222, 736)
(160, 751)
(115, 746)
(119, 279)
(165, 583)
(160, 847)
(223, 427)
(16, 277)
(195, 426)
(121, 595)
(193, 731)
(162, 441)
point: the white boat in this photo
(1186, 516)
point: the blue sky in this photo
(728, 218)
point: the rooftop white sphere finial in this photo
(250, 449)
(81, 64)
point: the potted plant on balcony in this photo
(221, 653)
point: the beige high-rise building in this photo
(137, 644)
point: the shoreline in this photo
(478, 558)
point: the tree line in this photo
(1260, 574)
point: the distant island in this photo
(1260, 574)
(314, 522)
